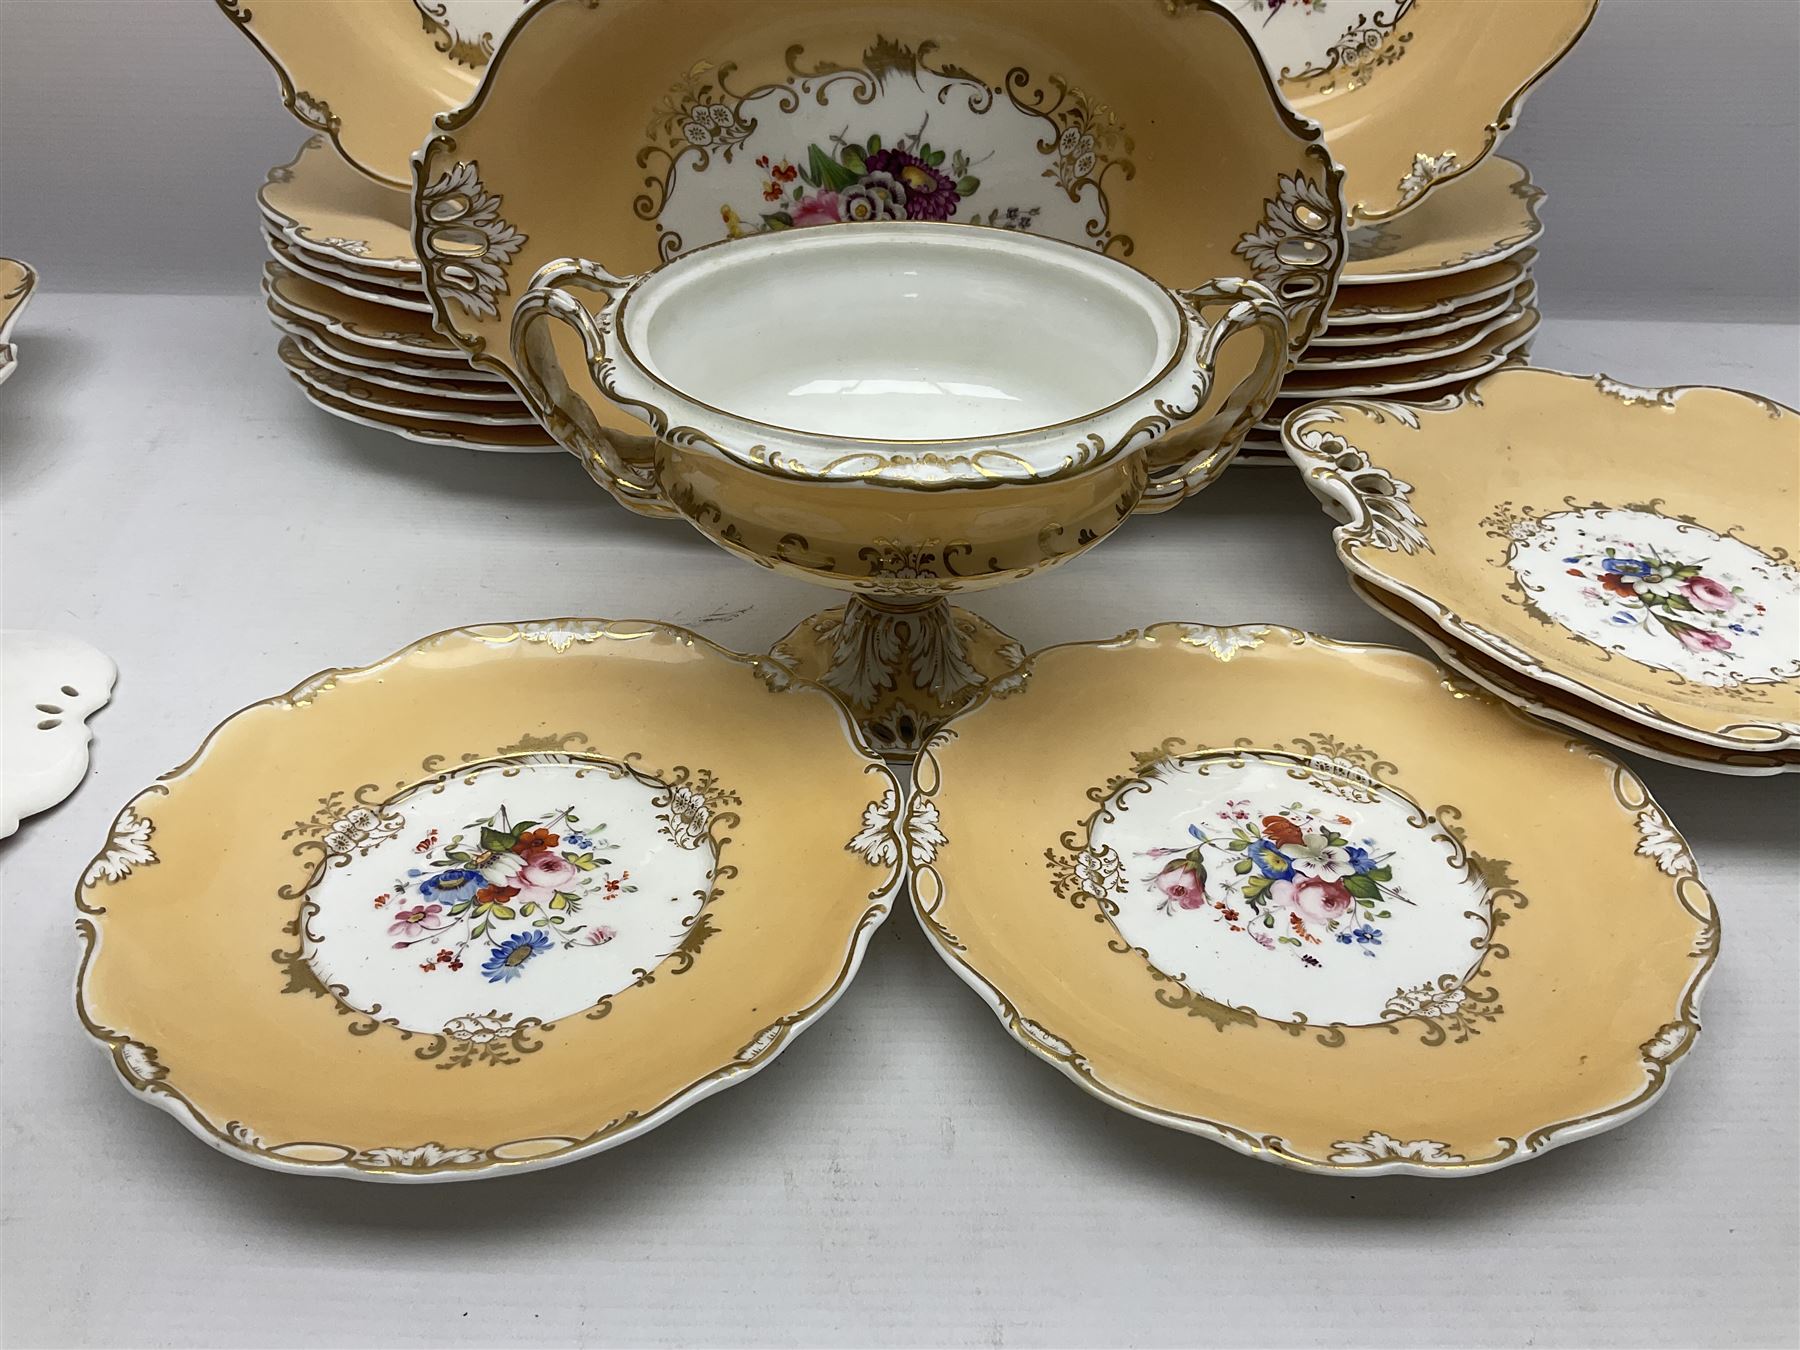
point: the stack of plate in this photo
(346, 291)
(1427, 302)
(1556, 539)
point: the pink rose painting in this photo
(507, 895)
(1705, 593)
(1313, 898)
(1289, 880)
(1660, 593)
(1701, 640)
(1182, 884)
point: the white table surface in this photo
(904, 1174)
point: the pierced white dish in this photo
(50, 685)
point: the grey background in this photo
(134, 133)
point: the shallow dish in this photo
(1550, 704)
(50, 684)
(1483, 219)
(363, 321)
(334, 277)
(18, 282)
(423, 407)
(1577, 538)
(1396, 356)
(1257, 885)
(1500, 346)
(512, 896)
(733, 120)
(532, 440)
(1412, 96)
(1427, 297)
(322, 206)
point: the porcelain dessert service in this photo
(1563, 529)
(913, 299)
(1254, 884)
(18, 282)
(512, 896)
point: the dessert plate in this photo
(1491, 353)
(532, 440)
(512, 896)
(1576, 538)
(1084, 124)
(422, 407)
(1412, 96)
(323, 356)
(324, 208)
(1376, 334)
(362, 321)
(334, 277)
(331, 265)
(1427, 297)
(1484, 219)
(49, 686)
(416, 364)
(1397, 356)
(1319, 902)
(407, 362)
(18, 282)
(1550, 704)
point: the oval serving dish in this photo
(1577, 536)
